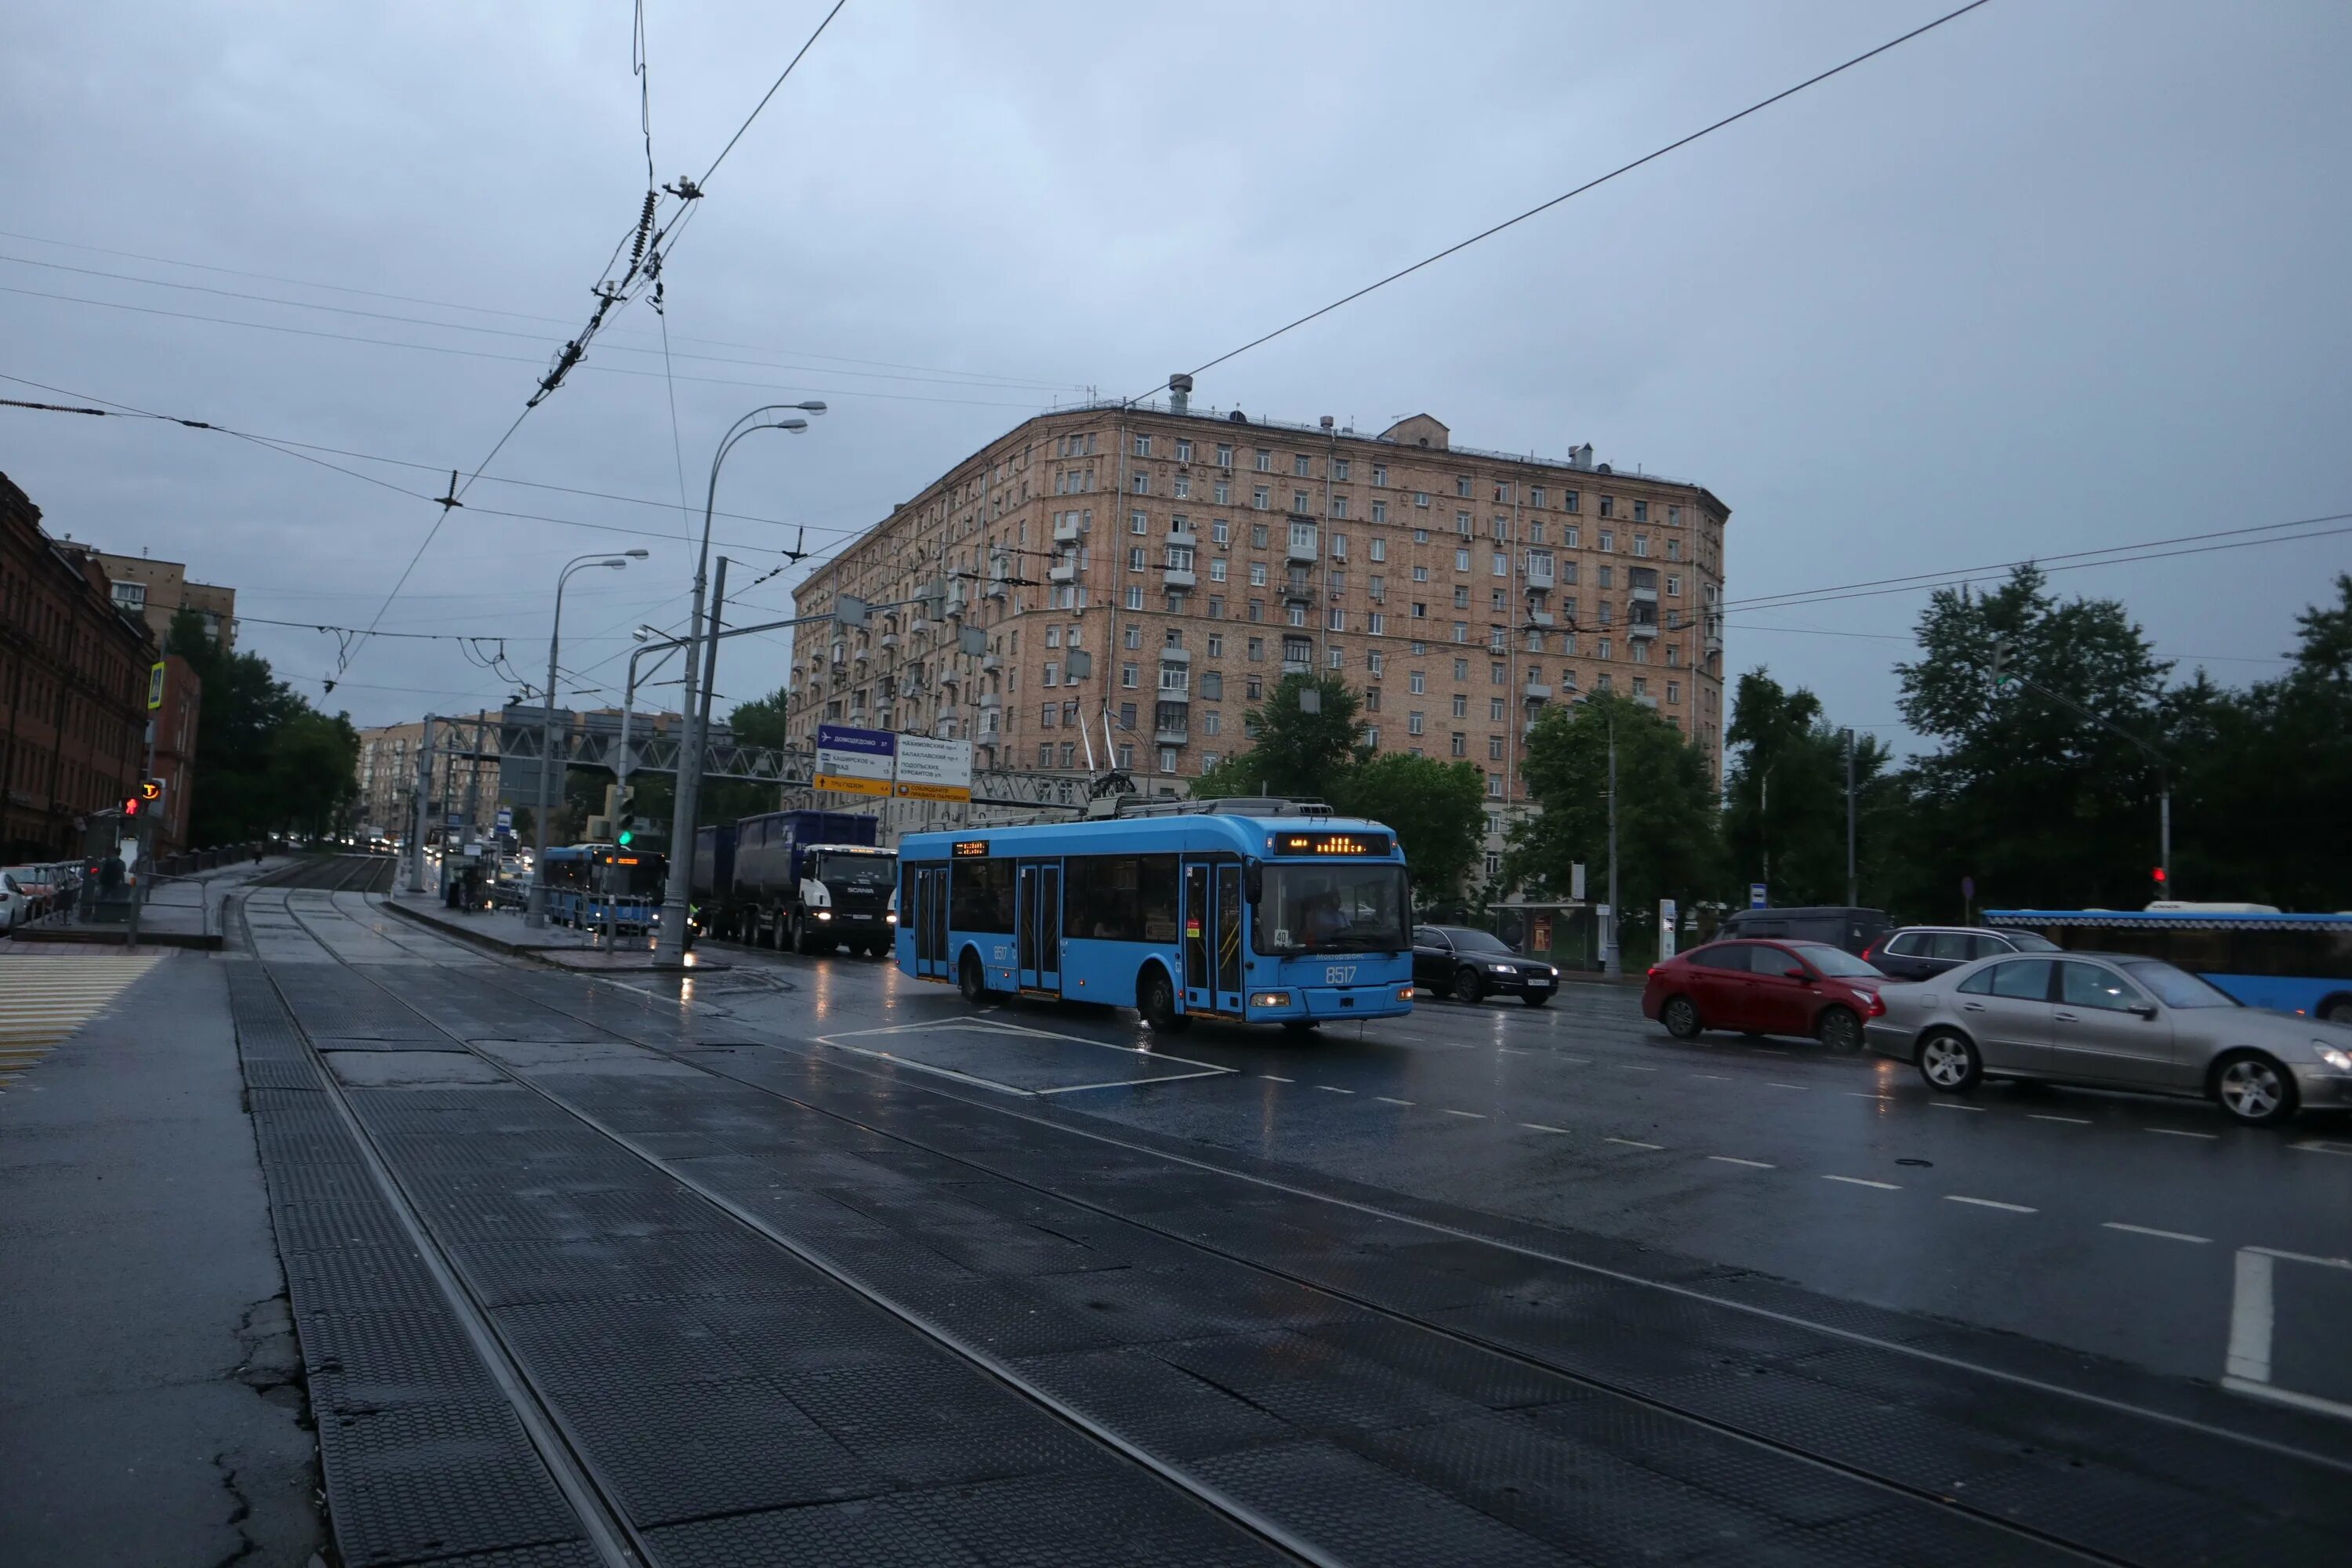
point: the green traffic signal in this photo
(627, 835)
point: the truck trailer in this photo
(810, 880)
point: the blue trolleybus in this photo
(603, 887)
(2259, 955)
(1259, 909)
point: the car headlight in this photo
(1502, 969)
(825, 914)
(2341, 1060)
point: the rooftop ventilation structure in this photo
(1179, 394)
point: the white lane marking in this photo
(1990, 1203)
(1629, 1067)
(1770, 1084)
(1271, 1078)
(1719, 1077)
(2322, 1146)
(2250, 1318)
(1950, 1105)
(1333, 1089)
(1540, 1127)
(2149, 1230)
(1633, 1143)
(1735, 1159)
(1390, 1099)
(1859, 1094)
(1864, 1182)
(2288, 1396)
(1479, 1114)
(2180, 1133)
(1127, 1082)
(2299, 1257)
(1579, 1061)
(1762, 1052)
(1514, 1051)
(2070, 1121)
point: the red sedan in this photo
(1765, 988)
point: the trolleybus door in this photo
(1212, 936)
(1039, 920)
(931, 917)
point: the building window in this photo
(1222, 493)
(1143, 445)
(1224, 454)
(1183, 450)
(1135, 559)
(1183, 486)
(1495, 704)
(1641, 545)
(1261, 498)
(1641, 512)
(1380, 475)
(1462, 486)
(1339, 468)
(1673, 692)
(1142, 483)
(1338, 506)
(1126, 759)
(1500, 563)
(1459, 745)
(1535, 497)
(1494, 786)
(1264, 461)
(1256, 653)
(1257, 574)
(1462, 524)
(1462, 631)
(1210, 722)
(1421, 499)
(1413, 724)
(1569, 537)
(1462, 560)
(1460, 706)
(1135, 596)
(1298, 464)
(1299, 502)
(1494, 748)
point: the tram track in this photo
(602, 1514)
(1270, 1530)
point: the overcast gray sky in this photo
(2060, 275)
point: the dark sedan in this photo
(1471, 965)
(1922, 953)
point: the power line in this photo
(946, 378)
(763, 104)
(478, 309)
(1588, 185)
(1917, 581)
(506, 359)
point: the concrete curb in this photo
(482, 940)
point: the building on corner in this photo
(1182, 561)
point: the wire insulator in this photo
(645, 229)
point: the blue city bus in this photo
(1257, 911)
(2262, 957)
(603, 887)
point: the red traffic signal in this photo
(2159, 875)
(131, 805)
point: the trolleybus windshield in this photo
(1334, 906)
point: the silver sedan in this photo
(2113, 1021)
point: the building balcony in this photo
(1168, 737)
(1297, 592)
(1173, 694)
(1176, 577)
(1713, 642)
(992, 662)
(995, 591)
(1536, 691)
(889, 640)
(1187, 534)
(1176, 655)
(1064, 573)
(1643, 595)
(1308, 549)
(1297, 666)
(1540, 575)
(1066, 533)
(990, 700)
(1540, 619)
(1643, 630)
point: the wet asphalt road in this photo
(2104, 1222)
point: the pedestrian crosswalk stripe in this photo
(45, 999)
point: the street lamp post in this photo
(655, 641)
(669, 946)
(537, 914)
(1608, 962)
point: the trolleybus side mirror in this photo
(1255, 875)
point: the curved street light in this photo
(536, 913)
(701, 658)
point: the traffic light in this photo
(131, 805)
(2159, 879)
(150, 789)
(629, 831)
(2003, 651)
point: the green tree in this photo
(1667, 846)
(2038, 805)
(2261, 776)
(1784, 798)
(1296, 753)
(266, 761)
(1438, 810)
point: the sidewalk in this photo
(503, 931)
(150, 1406)
(181, 911)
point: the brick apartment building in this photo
(156, 590)
(73, 677)
(1193, 559)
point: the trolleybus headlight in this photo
(891, 916)
(1271, 999)
(1404, 992)
(825, 914)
